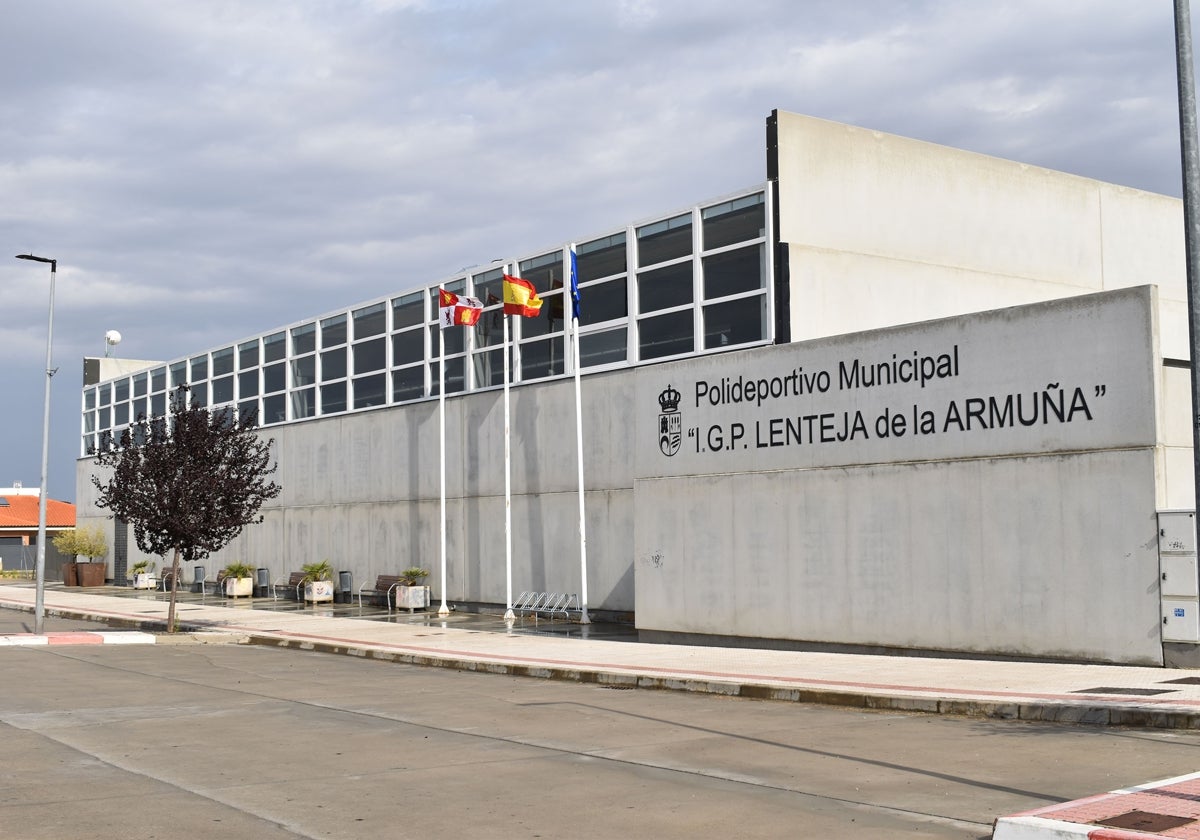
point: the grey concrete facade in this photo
(363, 492)
(961, 515)
(996, 530)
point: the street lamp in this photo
(39, 608)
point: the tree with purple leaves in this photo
(188, 482)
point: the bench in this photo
(547, 604)
(384, 585)
(294, 584)
(164, 582)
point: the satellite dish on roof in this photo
(112, 337)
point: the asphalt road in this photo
(199, 741)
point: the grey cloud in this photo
(205, 171)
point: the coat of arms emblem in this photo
(670, 421)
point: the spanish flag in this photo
(520, 298)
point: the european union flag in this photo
(574, 287)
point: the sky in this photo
(206, 170)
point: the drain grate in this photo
(1108, 689)
(1145, 821)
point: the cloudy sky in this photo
(204, 170)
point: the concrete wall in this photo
(1177, 490)
(978, 555)
(362, 491)
(884, 230)
(102, 368)
(937, 533)
(947, 509)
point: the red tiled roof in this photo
(22, 512)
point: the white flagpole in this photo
(583, 575)
(508, 614)
(443, 610)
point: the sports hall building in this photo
(897, 396)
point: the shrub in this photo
(317, 571)
(88, 541)
(238, 569)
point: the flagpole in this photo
(508, 614)
(443, 610)
(583, 575)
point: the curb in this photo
(1044, 712)
(78, 637)
(156, 630)
(1065, 712)
(1038, 828)
(204, 637)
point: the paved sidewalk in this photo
(1169, 808)
(1033, 691)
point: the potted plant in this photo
(143, 574)
(239, 579)
(412, 593)
(90, 542)
(318, 581)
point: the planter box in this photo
(145, 580)
(239, 587)
(318, 590)
(68, 573)
(412, 597)
(91, 574)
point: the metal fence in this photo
(17, 557)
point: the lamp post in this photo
(1190, 159)
(39, 608)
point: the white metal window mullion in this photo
(288, 408)
(769, 248)
(389, 357)
(319, 380)
(347, 376)
(427, 341)
(237, 378)
(83, 422)
(632, 279)
(697, 282)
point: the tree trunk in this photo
(174, 585)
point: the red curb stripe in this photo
(67, 637)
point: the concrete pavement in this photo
(1032, 691)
